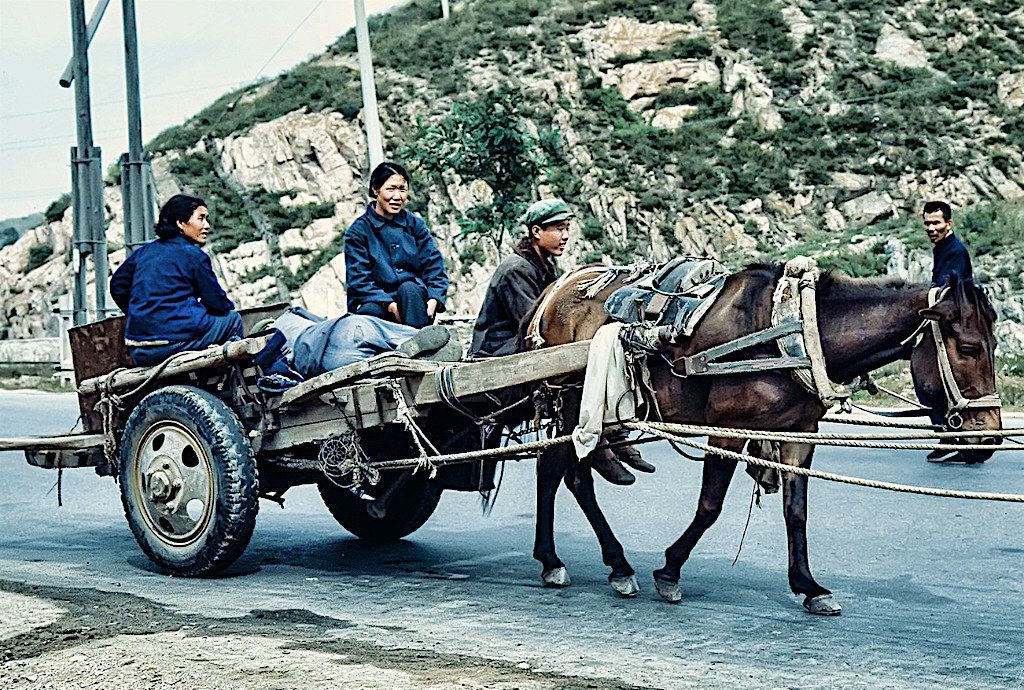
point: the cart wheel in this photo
(188, 481)
(411, 505)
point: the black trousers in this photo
(412, 306)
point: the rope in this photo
(851, 440)
(519, 452)
(404, 413)
(843, 479)
(345, 464)
(876, 422)
(110, 403)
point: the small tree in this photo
(483, 140)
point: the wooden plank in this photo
(183, 364)
(350, 407)
(387, 364)
(472, 378)
(70, 442)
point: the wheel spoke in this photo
(195, 484)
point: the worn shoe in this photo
(631, 456)
(606, 465)
(449, 352)
(427, 340)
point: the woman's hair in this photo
(179, 208)
(381, 174)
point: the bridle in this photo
(956, 401)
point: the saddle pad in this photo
(683, 291)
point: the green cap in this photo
(547, 211)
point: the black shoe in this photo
(427, 340)
(631, 456)
(939, 455)
(611, 469)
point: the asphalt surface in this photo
(932, 588)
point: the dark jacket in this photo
(168, 291)
(517, 283)
(382, 254)
(951, 259)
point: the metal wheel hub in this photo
(174, 483)
(164, 482)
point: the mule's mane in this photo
(836, 285)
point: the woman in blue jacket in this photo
(393, 268)
(168, 290)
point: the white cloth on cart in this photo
(608, 395)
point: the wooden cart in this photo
(195, 444)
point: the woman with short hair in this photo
(393, 268)
(168, 291)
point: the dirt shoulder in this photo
(53, 637)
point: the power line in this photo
(287, 38)
(119, 101)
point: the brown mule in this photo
(864, 324)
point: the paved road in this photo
(932, 589)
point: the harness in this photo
(794, 330)
(955, 400)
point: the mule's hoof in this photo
(625, 585)
(823, 605)
(556, 577)
(669, 591)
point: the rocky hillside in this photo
(742, 129)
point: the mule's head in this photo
(964, 393)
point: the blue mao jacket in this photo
(382, 254)
(951, 259)
(168, 291)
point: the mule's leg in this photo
(580, 480)
(715, 482)
(817, 599)
(550, 470)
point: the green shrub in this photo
(8, 236)
(991, 227)
(756, 25)
(37, 256)
(55, 211)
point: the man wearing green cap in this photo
(521, 277)
(517, 283)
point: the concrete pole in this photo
(68, 75)
(86, 178)
(444, 9)
(135, 221)
(374, 146)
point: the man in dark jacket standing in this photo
(951, 261)
(951, 258)
(517, 283)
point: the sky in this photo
(190, 52)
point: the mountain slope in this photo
(744, 129)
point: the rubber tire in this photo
(236, 483)
(410, 507)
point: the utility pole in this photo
(370, 115)
(86, 180)
(138, 214)
(444, 9)
(68, 75)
